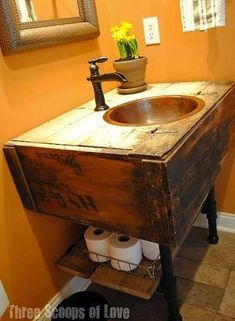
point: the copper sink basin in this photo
(154, 110)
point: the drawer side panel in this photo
(194, 167)
(19, 177)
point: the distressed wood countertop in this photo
(85, 130)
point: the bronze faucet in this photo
(96, 80)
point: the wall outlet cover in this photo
(151, 31)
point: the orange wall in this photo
(38, 85)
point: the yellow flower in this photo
(130, 37)
(114, 29)
(126, 25)
(122, 32)
(126, 41)
(118, 34)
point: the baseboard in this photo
(74, 285)
(225, 222)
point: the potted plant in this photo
(130, 64)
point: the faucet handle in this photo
(97, 60)
(94, 69)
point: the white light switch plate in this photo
(151, 31)
(4, 301)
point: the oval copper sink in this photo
(154, 110)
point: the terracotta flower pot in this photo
(134, 71)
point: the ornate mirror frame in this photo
(18, 36)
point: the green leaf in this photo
(122, 50)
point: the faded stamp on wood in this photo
(89, 189)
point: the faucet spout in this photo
(96, 79)
(114, 76)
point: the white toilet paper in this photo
(97, 241)
(150, 250)
(124, 248)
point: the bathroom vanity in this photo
(147, 181)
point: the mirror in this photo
(37, 10)
(29, 24)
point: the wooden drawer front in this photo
(91, 190)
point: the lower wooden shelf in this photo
(78, 263)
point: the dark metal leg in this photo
(209, 208)
(169, 283)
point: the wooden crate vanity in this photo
(145, 181)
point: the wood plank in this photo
(126, 137)
(159, 205)
(139, 286)
(85, 150)
(198, 88)
(108, 193)
(217, 88)
(77, 262)
(19, 177)
(194, 166)
(41, 134)
(193, 88)
(75, 132)
(108, 136)
(113, 98)
(106, 276)
(126, 282)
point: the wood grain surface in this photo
(77, 262)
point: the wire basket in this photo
(146, 268)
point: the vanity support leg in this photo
(209, 208)
(169, 283)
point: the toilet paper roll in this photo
(123, 247)
(97, 241)
(150, 250)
